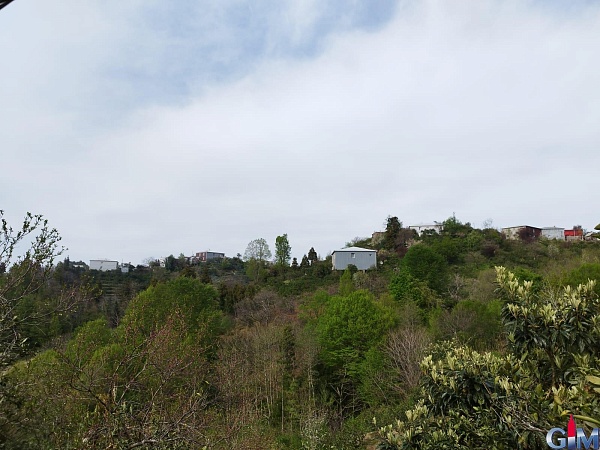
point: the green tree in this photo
(349, 326)
(346, 284)
(392, 231)
(425, 264)
(145, 382)
(283, 251)
(257, 254)
(27, 255)
(510, 400)
(312, 256)
(304, 263)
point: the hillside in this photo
(248, 354)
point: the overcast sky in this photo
(147, 128)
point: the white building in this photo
(103, 265)
(553, 233)
(435, 226)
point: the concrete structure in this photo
(553, 233)
(522, 231)
(103, 265)
(435, 226)
(362, 258)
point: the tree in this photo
(256, 254)
(148, 382)
(283, 251)
(392, 230)
(312, 256)
(425, 264)
(304, 263)
(23, 275)
(295, 263)
(510, 400)
(346, 284)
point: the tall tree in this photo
(256, 254)
(312, 256)
(392, 230)
(283, 250)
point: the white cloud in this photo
(486, 109)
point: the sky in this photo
(141, 129)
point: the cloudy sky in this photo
(147, 128)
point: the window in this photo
(352, 255)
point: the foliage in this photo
(349, 326)
(197, 302)
(392, 231)
(580, 275)
(144, 383)
(406, 289)
(346, 284)
(425, 264)
(256, 254)
(472, 322)
(283, 250)
(312, 256)
(23, 275)
(509, 401)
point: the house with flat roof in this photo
(362, 258)
(522, 232)
(553, 233)
(435, 226)
(103, 265)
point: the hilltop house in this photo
(522, 232)
(362, 258)
(103, 265)
(205, 256)
(553, 233)
(435, 226)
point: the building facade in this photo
(436, 226)
(362, 258)
(103, 265)
(522, 232)
(553, 233)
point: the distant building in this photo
(553, 233)
(435, 226)
(205, 256)
(522, 232)
(103, 265)
(576, 234)
(362, 258)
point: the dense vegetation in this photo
(469, 339)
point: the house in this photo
(553, 233)
(523, 232)
(576, 234)
(205, 256)
(435, 226)
(362, 258)
(103, 265)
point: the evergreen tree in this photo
(312, 256)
